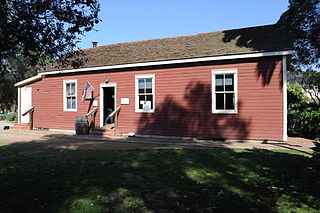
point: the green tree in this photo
(303, 112)
(311, 85)
(17, 70)
(39, 29)
(33, 31)
(304, 18)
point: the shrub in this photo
(2, 117)
(296, 99)
(303, 114)
(297, 103)
(12, 116)
(310, 124)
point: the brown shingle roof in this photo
(239, 41)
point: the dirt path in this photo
(43, 140)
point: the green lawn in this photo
(158, 181)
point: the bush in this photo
(296, 99)
(2, 117)
(297, 103)
(303, 114)
(12, 117)
(310, 124)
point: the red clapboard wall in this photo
(182, 100)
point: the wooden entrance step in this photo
(104, 132)
(20, 127)
(108, 126)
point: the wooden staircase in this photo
(108, 130)
(28, 126)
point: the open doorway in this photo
(107, 103)
(109, 107)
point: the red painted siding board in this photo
(183, 101)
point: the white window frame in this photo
(137, 77)
(65, 82)
(222, 72)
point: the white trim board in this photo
(155, 63)
(102, 97)
(284, 91)
(19, 105)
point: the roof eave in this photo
(156, 63)
(29, 80)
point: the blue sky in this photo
(128, 20)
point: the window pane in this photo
(68, 103)
(141, 85)
(219, 101)
(148, 85)
(73, 89)
(229, 100)
(141, 101)
(68, 89)
(219, 83)
(149, 102)
(229, 82)
(74, 103)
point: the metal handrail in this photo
(28, 111)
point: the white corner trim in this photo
(19, 105)
(137, 77)
(155, 63)
(102, 98)
(285, 109)
(65, 95)
(213, 89)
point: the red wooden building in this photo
(229, 84)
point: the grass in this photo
(81, 181)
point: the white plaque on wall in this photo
(95, 103)
(125, 100)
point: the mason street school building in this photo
(219, 85)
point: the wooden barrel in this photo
(81, 125)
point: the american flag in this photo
(87, 91)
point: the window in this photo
(70, 95)
(224, 91)
(145, 93)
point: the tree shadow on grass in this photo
(156, 181)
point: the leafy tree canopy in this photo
(308, 82)
(304, 18)
(18, 70)
(42, 29)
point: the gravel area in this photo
(5, 123)
(42, 140)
